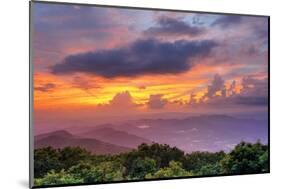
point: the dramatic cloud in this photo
(147, 56)
(253, 86)
(61, 30)
(226, 21)
(254, 92)
(85, 56)
(119, 104)
(172, 26)
(123, 99)
(216, 86)
(156, 101)
(45, 88)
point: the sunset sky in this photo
(108, 61)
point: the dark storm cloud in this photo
(227, 20)
(147, 56)
(172, 26)
(45, 88)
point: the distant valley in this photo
(194, 133)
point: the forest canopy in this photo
(73, 165)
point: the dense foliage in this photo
(75, 165)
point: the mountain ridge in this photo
(62, 138)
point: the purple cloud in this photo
(172, 26)
(147, 56)
(254, 92)
(227, 20)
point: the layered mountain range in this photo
(195, 133)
